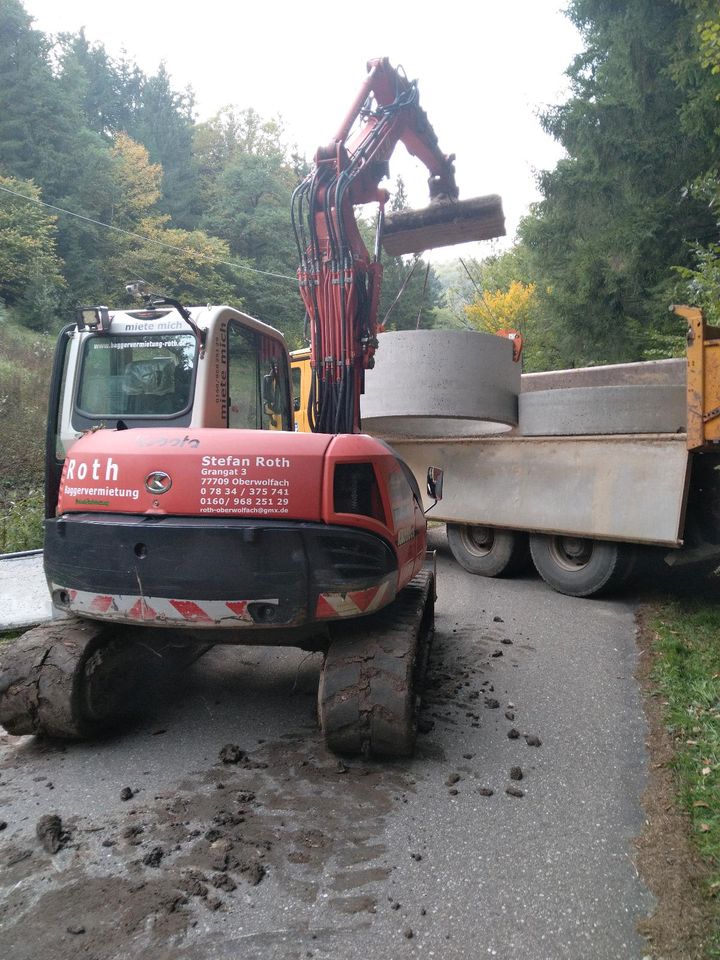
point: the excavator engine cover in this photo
(442, 224)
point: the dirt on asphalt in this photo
(138, 882)
(161, 866)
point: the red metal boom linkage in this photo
(339, 278)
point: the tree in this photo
(247, 175)
(496, 310)
(189, 265)
(30, 269)
(704, 278)
(419, 293)
(111, 89)
(615, 217)
(163, 122)
(136, 182)
(506, 296)
(410, 292)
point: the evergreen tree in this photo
(163, 122)
(616, 215)
(30, 269)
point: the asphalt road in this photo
(361, 860)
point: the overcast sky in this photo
(484, 68)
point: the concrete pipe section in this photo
(589, 411)
(441, 383)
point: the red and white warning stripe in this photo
(135, 609)
(354, 603)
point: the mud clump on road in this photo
(231, 753)
(223, 881)
(107, 913)
(50, 833)
(285, 826)
(154, 857)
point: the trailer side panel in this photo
(627, 488)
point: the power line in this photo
(138, 236)
(481, 293)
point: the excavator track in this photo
(369, 692)
(74, 678)
(42, 679)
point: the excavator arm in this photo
(340, 280)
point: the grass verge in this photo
(685, 637)
(21, 519)
(7, 635)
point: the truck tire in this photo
(370, 683)
(581, 567)
(488, 551)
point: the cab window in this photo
(147, 375)
(258, 396)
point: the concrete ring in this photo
(440, 383)
(590, 411)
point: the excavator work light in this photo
(95, 319)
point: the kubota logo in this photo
(158, 482)
(167, 441)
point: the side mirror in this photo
(435, 483)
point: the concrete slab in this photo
(24, 596)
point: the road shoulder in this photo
(681, 928)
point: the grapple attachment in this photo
(442, 224)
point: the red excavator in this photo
(182, 511)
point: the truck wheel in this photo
(370, 684)
(580, 567)
(488, 551)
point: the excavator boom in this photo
(340, 280)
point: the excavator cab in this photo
(136, 369)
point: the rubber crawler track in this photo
(78, 678)
(41, 678)
(369, 690)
